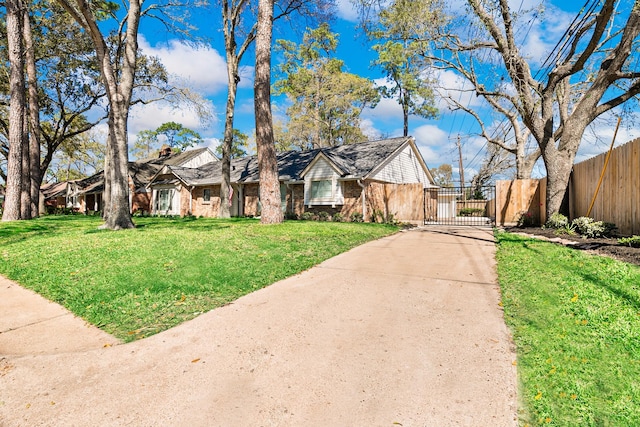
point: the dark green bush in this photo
(306, 216)
(471, 211)
(356, 217)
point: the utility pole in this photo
(461, 167)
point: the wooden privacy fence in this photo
(618, 200)
(520, 198)
(404, 201)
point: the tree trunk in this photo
(106, 175)
(25, 180)
(405, 114)
(119, 215)
(267, 162)
(225, 184)
(14, 24)
(34, 118)
(558, 164)
(317, 138)
(525, 161)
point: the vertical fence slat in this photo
(618, 201)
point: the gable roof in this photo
(55, 189)
(141, 172)
(175, 159)
(353, 161)
(359, 160)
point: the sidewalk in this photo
(31, 324)
(406, 330)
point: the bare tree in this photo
(513, 138)
(557, 104)
(267, 162)
(589, 75)
(497, 161)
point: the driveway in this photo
(403, 331)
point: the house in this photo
(55, 194)
(85, 195)
(372, 179)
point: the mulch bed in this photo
(601, 246)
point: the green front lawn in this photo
(134, 283)
(575, 320)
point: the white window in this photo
(321, 190)
(164, 200)
(283, 197)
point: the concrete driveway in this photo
(403, 331)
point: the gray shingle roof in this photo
(55, 189)
(174, 159)
(141, 172)
(359, 160)
(354, 160)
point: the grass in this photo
(135, 283)
(575, 320)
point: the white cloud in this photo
(151, 116)
(432, 141)
(346, 10)
(201, 68)
(454, 86)
(387, 110)
(597, 138)
(540, 31)
(211, 143)
(369, 129)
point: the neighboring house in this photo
(85, 195)
(56, 194)
(372, 179)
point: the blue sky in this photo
(203, 69)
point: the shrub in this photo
(610, 229)
(391, 219)
(377, 214)
(569, 229)
(525, 219)
(633, 241)
(356, 217)
(471, 211)
(557, 221)
(323, 216)
(291, 215)
(588, 227)
(306, 216)
(338, 217)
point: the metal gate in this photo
(460, 206)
